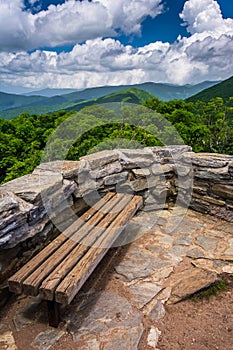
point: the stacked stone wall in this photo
(36, 207)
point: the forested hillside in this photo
(223, 89)
(131, 95)
(206, 126)
(56, 99)
(71, 102)
(10, 101)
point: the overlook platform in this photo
(121, 304)
(179, 243)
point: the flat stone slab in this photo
(206, 243)
(157, 312)
(139, 264)
(189, 281)
(69, 169)
(101, 158)
(31, 187)
(105, 320)
(144, 292)
(45, 340)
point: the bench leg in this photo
(53, 313)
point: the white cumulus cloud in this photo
(205, 16)
(205, 55)
(71, 22)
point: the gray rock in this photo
(139, 264)
(62, 198)
(68, 169)
(210, 160)
(137, 158)
(45, 340)
(125, 187)
(102, 314)
(100, 159)
(32, 187)
(213, 174)
(147, 221)
(162, 169)
(206, 243)
(36, 215)
(16, 217)
(10, 225)
(8, 201)
(106, 170)
(86, 188)
(223, 191)
(187, 241)
(179, 251)
(184, 227)
(144, 292)
(195, 253)
(155, 207)
(214, 201)
(169, 151)
(157, 312)
(139, 185)
(153, 337)
(161, 190)
(188, 281)
(185, 183)
(156, 182)
(145, 153)
(138, 173)
(151, 200)
(116, 178)
(128, 163)
(22, 233)
(182, 170)
(202, 207)
(202, 190)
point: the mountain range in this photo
(12, 105)
(53, 100)
(224, 89)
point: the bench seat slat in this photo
(69, 287)
(33, 282)
(15, 282)
(55, 277)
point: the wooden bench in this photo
(59, 271)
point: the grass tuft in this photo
(213, 290)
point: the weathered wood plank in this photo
(33, 282)
(50, 283)
(75, 279)
(15, 282)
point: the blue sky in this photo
(79, 44)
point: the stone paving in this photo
(126, 295)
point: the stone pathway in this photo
(121, 302)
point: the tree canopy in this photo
(206, 126)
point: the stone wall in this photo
(36, 207)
